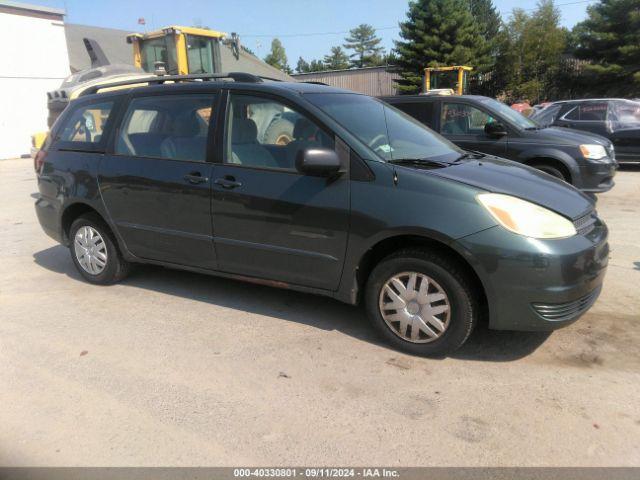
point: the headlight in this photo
(526, 218)
(594, 152)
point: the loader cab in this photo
(178, 50)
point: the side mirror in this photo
(495, 129)
(319, 162)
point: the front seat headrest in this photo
(186, 125)
(244, 130)
(304, 130)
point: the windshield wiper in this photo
(420, 162)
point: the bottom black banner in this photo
(224, 473)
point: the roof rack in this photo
(160, 79)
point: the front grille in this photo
(585, 224)
(568, 310)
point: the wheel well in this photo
(552, 162)
(388, 246)
(71, 213)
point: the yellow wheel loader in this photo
(446, 80)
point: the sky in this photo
(307, 28)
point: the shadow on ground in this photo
(317, 311)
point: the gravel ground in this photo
(173, 368)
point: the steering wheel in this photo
(381, 137)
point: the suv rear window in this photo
(84, 128)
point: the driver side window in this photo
(463, 119)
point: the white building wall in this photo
(33, 61)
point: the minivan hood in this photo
(567, 136)
(498, 175)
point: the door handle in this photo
(195, 178)
(227, 182)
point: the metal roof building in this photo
(369, 80)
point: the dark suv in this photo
(486, 125)
(614, 118)
(364, 205)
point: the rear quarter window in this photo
(421, 111)
(84, 129)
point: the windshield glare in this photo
(547, 115)
(390, 133)
(509, 113)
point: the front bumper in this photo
(536, 284)
(597, 177)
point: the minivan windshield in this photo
(390, 133)
(510, 114)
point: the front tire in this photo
(421, 302)
(94, 251)
(551, 170)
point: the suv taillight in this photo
(38, 161)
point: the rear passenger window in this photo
(588, 112)
(265, 133)
(85, 125)
(174, 127)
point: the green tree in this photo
(489, 22)
(366, 47)
(277, 57)
(610, 40)
(534, 47)
(302, 66)
(390, 58)
(316, 66)
(336, 60)
(438, 33)
(487, 17)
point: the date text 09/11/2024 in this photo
(316, 472)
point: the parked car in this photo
(614, 118)
(539, 106)
(522, 106)
(364, 205)
(486, 125)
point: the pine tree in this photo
(487, 17)
(438, 33)
(302, 66)
(610, 39)
(336, 60)
(316, 66)
(277, 57)
(366, 47)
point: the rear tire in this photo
(447, 322)
(95, 252)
